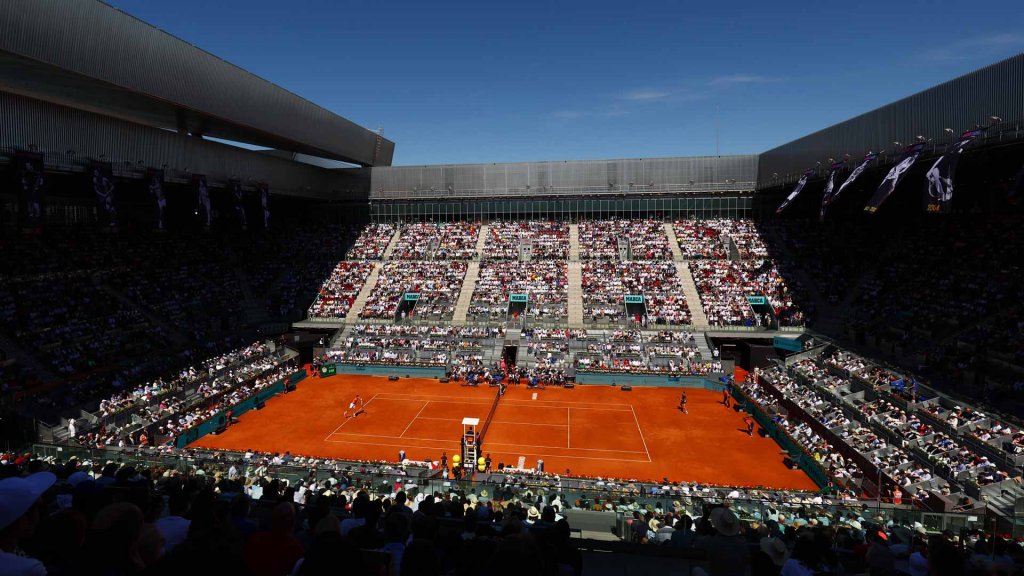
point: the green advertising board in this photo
(788, 344)
(518, 297)
(328, 369)
(757, 300)
(634, 299)
(411, 296)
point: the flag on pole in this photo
(938, 188)
(796, 191)
(830, 184)
(892, 179)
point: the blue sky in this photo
(496, 82)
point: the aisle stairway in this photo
(466, 294)
(481, 240)
(574, 242)
(575, 278)
(364, 292)
(673, 243)
(392, 244)
(692, 297)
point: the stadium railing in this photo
(621, 498)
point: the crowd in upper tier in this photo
(437, 287)
(339, 292)
(543, 282)
(536, 239)
(725, 286)
(623, 239)
(437, 241)
(606, 283)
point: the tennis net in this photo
(490, 415)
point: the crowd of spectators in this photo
(437, 241)
(605, 284)
(641, 239)
(724, 287)
(372, 242)
(701, 239)
(438, 288)
(633, 351)
(543, 281)
(339, 292)
(542, 240)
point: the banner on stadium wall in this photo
(854, 175)
(830, 185)
(155, 183)
(892, 179)
(237, 196)
(938, 187)
(103, 188)
(264, 191)
(796, 191)
(31, 201)
(202, 210)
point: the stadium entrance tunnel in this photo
(509, 354)
(406, 306)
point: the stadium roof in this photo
(88, 55)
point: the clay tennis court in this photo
(588, 430)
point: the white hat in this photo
(18, 495)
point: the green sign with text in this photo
(411, 296)
(634, 299)
(757, 300)
(518, 297)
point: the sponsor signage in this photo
(788, 344)
(634, 299)
(518, 297)
(757, 300)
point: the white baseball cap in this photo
(18, 495)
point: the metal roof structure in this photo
(87, 55)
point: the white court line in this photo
(584, 457)
(463, 399)
(425, 404)
(638, 429)
(494, 421)
(568, 429)
(564, 448)
(347, 419)
(343, 434)
(406, 446)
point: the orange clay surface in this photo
(589, 430)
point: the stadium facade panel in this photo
(565, 178)
(174, 83)
(71, 137)
(959, 104)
